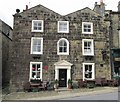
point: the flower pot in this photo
(69, 86)
(56, 86)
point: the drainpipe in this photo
(111, 46)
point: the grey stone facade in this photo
(5, 41)
(20, 55)
(113, 17)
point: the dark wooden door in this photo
(62, 77)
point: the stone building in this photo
(49, 46)
(5, 41)
(114, 18)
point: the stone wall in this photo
(115, 25)
(5, 40)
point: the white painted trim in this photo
(30, 77)
(32, 45)
(42, 27)
(67, 31)
(93, 71)
(92, 47)
(62, 53)
(62, 66)
(87, 23)
(63, 62)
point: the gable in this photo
(39, 11)
(83, 13)
(63, 63)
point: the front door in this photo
(62, 77)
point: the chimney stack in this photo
(119, 6)
(101, 2)
(100, 8)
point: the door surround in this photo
(62, 64)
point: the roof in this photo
(47, 9)
(81, 10)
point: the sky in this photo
(63, 7)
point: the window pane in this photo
(38, 41)
(33, 67)
(38, 74)
(60, 43)
(38, 67)
(86, 76)
(86, 67)
(39, 28)
(39, 24)
(89, 26)
(65, 44)
(34, 41)
(60, 49)
(34, 48)
(90, 67)
(35, 23)
(90, 75)
(89, 30)
(35, 28)
(85, 26)
(38, 48)
(89, 44)
(33, 74)
(85, 44)
(65, 49)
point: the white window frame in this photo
(62, 31)
(87, 23)
(37, 21)
(30, 77)
(93, 71)
(63, 53)
(92, 47)
(35, 52)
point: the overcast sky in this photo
(8, 7)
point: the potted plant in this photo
(56, 84)
(70, 83)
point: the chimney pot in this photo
(95, 3)
(26, 7)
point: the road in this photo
(102, 96)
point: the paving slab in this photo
(58, 94)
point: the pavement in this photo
(58, 94)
